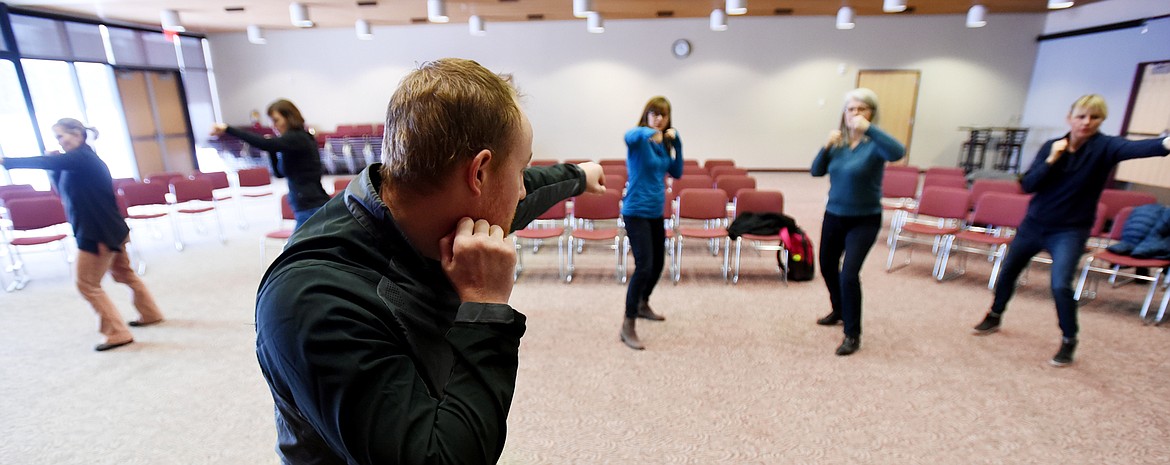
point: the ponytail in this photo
(76, 127)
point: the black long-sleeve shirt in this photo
(294, 155)
(1067, 191)
(87, 191)
(369, 353)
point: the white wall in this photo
(1103, 63)
(765, 92)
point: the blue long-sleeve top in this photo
(647, 163)
(87, 191)
(1067, 192)
(855, 174)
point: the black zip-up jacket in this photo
(293, 155)
(369, 353)
(1067, 191)
(87, 190)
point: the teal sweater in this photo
(855, 175)
(646, 165)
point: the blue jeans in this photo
(851, 237)
(648, 243)
(303, 215)
(1066, 247)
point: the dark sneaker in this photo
(849, 345)
(830, 319)
(1064, 357)
(990, 324)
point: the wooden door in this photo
(157, 121)
(897, 92)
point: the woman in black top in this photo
(293, 154)
(88, 195)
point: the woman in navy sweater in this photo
(293, 154)
(854, 157)
(653, 150)
(1067, 177)
(88, 194)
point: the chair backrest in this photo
(1119, 223)
(694, 170)
(556, 212)
(219, 179)
(945, 170)
(944, 202)
(732, 184)
(31, 213)
(758, 201)
(16, 188)
(899, 184)
(702, 204)
(690, 182)
(340, 184)
(138, 194)
(254, 177)
(615, 181)
(186, 190)
(943, 180)
(612, 161)
(605, 206)
(119, 182)
(542, 162)
(1116, 199)
(712, 163)
(286, 210)
(984, 186)
(6, 197)
(717, 171)
(903, 168)
(163, 178)
(1001, 209)
(578, 161)
(607, 169)
(1098, 222)
(690, 162)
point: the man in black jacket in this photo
(384, 329)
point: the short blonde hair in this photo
(443, 114)
(1092, 102)
(863, 95)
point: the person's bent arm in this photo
(544, 186)
(1049, 154)
(67, 161)
(676, 164)
(1123, 149)
(887, 147)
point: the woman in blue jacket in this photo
(87, 192)
(653, 150)
(854, 157)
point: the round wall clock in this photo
(681, 48)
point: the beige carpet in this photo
(737, 374)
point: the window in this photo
(160, 52)
(39, 37)
(126, 47)
(103, 109)
(17, 139)
(85, 40)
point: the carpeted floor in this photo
(736, 374)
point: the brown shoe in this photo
(140, 323)
(629, 336)
(644, 311)
(111, 345)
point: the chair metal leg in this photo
(1150, 294)
(1165, 300)
(1084, 275)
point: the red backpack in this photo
(801, 265)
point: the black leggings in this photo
(648, 242)
(853, 237)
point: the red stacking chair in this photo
(732, 184)
(997, 216)
(701, 214)
(1112, 265)
(757, 201)
(597, 218)
(146, 204)
(280, 235)
(35, 221)
(941, 213)
(551, 224)
(193, 197)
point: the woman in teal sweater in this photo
(654, 149)
(854, 157)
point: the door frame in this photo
(182, 101)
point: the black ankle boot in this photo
(830, 319)
(849, 345)
(644, 311)
(1064, 357)
(629, 336)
